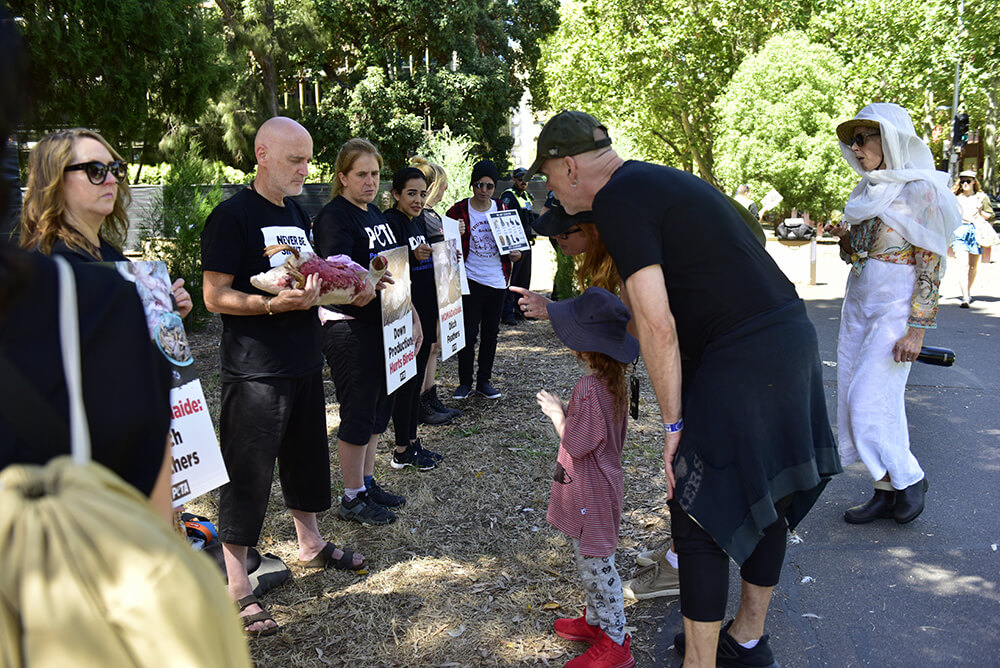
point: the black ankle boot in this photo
(427, 414)
(910, 502)
(879, 506)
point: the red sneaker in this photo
(578, 629)
(605, 653)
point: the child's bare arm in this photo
(553, 407)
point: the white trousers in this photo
(871, 415)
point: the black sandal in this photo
(325, 558)
(250, 620)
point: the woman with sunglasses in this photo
(76, 202)
(897, 225)
(489, 275)
(967, 243)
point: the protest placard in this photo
(450, 228)
(449, 296)
(771, 200)
(507, 231)
(397, 321)
(197, 461)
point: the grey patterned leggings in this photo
(603, 586)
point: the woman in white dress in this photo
(897, 225)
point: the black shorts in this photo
(264, 420)
(353, 349)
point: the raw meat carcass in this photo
(341, 279)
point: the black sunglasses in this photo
(860, 138)
(965, 180)
(484, 185)
(97, 172)
(565, 235)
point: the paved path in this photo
(924, 594)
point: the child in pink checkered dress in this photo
(587, 490)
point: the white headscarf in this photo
(909, 195)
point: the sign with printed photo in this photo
(449, 296)
(197, 461)
(508, 232)
(451, 231)
(771, 200)
(397, 321)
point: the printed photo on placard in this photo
(449, 296)
(507, 230)
(198, 467)
(450, 228)
(397, 321)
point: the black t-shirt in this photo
(716, 272)
(433, 225)
(76, 256)
(260, 346)
(423, 290)
(126, 381)
(342, 228)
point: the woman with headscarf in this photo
(967, 244)
(897, 225)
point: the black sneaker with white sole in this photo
(412, 457)
(382, 497)
(462, 391)
(363, 510)
(487, 390)
(429, 453)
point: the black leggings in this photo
(704, 567)
(406, 410)
(481, 311)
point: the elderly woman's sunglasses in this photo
(97, 172)
(965, 180)
(860, 139)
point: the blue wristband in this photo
(673, 427)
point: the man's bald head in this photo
(283, 149)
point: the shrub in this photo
(190, 191)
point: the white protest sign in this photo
(289, 235)
(197, 461)
(450, 228)
(771, 200)
(397, 321)
(508, 232)
(449, 297)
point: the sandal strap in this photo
(262, 616)
(246, 602)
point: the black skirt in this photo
(755, 430)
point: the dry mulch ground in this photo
(470, 574)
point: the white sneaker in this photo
(649, 557)
(660, 579)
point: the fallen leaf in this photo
(454, 633)
(551, 606)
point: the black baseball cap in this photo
(556, 220)
(518, 173)
(567, 133)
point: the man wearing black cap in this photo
(740, 467)
(519, 199)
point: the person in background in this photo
(588, 486)
(432, 410)
(76, 203)
(409, 191)
(897, 224)
(488, 273)
(273, 403)
(519, 199)
(10, 181)
(743, 197)
(976, 227)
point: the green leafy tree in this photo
(777, 120)
(653, 68)
(124, 67)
